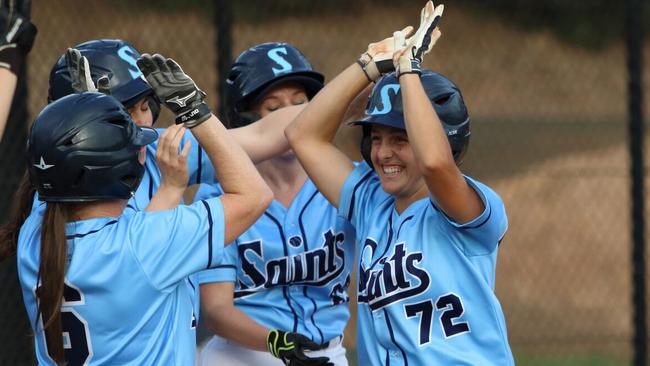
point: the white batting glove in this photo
(378, 59)
(410, 52)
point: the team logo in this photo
(275, 55)
(390, 278)
(42, 166)
(181, 101)
(316, 267)
(127, 54)
(386, 104)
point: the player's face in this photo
(141, 113)
(281, 96)
(395, 164)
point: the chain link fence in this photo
(548, 111)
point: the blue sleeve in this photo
(485, 231)
(360, 194)
(206, 191)
(171, 245)
(225, 271)
(198, 164)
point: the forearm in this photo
(265, 138)
(233, 168)
(166, 198)
(233, 324)
(8, 81)
(427, 137)
(321, 119)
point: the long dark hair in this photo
(22, 206)
(52, 266)
(51, 274)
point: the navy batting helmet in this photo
(260, 68)
(84, 147)
(114, 58)
(385, 107)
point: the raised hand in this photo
(378, 59)
(17, 34)
(172, 161)
(175, 89)
(79, 71)
(410, 52)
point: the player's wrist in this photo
(173, 190)
(194, 116)
(11, 58)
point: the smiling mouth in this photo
(391, 170)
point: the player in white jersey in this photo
(107, 286)
(289, 273)
(428, 235)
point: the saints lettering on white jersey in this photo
(292, 267)
(426, 283)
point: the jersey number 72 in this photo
(451, 307)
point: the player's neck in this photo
(403, 202)
(91, 210)
(285, 178)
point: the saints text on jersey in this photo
(398, 277)
(316, 267)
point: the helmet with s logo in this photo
(385, 107)
(114, 58)
(260, 68)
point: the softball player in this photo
(117, 59)
(86, 251)
(288, 274)
(17, 35)
(428, 235)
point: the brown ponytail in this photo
(22, 206)
(51, 274)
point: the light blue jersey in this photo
(292, 267)
(127, 299)
(426, 283)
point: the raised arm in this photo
(17, 35)
(246, 195)
(426, 134)
(311, 133)
(265, 139)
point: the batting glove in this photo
(17, 35)
(378, 59)
(290, 348)
(409, 59)
(79, 71)
(175, 89)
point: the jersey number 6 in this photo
(76, 338)
(451, 307)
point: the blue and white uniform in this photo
(291, 269)
(426, 283)
(127, 299)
